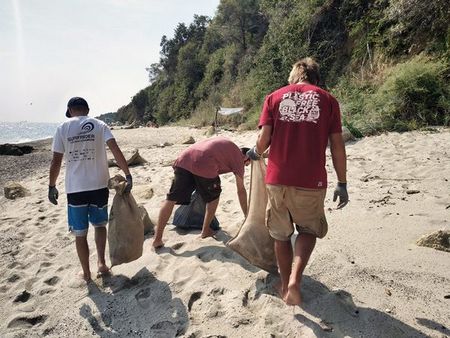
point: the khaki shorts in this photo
(288, 205)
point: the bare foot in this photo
(208, 233)
(293, 296)
(85, 276)
(103, 270)
(157, 244)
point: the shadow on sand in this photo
(336, 315)
(141, 306)
(208, 253)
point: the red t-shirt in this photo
(212, 157)
(302, 116)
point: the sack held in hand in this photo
(253, 241)
(126, 228)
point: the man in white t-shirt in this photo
(82, 139)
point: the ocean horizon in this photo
(24, 131)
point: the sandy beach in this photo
(366, 278)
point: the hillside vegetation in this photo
(387, 62)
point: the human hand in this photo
(341, 192)
(129, 183)
(53, 194)
(253, 154)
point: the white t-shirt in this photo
(82, 139)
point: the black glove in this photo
(129, 183)
(53, 194)
(341, 191)
(253, 154)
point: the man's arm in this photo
(55, 168)
(339, 157)
(264, 138)
(337, 147)
(118, 156)
(242, 193)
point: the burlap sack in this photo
(253, 241)
(126, 229)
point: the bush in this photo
(411, 95)
(415, 94)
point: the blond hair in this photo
(305, 70)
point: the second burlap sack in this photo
(126, 228)
(253, 241)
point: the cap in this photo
(76, 101)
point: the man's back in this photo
(211, 157)
(82, 139)
(302, 116)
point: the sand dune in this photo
(366, 278)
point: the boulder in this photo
(13, 190)
(189, 140)
(112, 163)
(347, 135)
(132, 125)
(14, 150)
(210, 131)
(439, 240)
(143, 191)
(151, 124)
(136, 159)
(165, 144)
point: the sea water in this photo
(18, 132)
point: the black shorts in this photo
(185, 182)
(97, 197)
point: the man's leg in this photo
(83, 254)
(100, 242)
(304, 245)
(283, 253)
(164, 215)
(210, 208)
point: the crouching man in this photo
(198, 168)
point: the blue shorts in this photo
(87, 206)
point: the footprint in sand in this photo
(52, 281)
(142, 297)
(45, 265)
(164, 329)
(193, 298)
(27, 322)
(15, 265)
(13, 278)
(23, 297)
(46, 291)
(177, 246)
(50, 254)
(245, 298)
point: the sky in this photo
(52, 50)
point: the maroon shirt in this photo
(212, 157)
(302, 116)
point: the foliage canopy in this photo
(386, 61)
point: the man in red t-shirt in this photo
(198, 168)
(297, 121)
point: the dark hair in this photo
(244, 150)
(80, 108)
